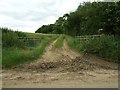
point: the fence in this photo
(86, 37)
(30, 41)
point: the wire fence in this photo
(31, 42)
(86, 37)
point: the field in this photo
(58, 60)
(26, 50)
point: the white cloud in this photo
(28, 15)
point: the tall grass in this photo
(105, 46)
(59, 42)
(16, 51)
(10, 38)
(15, 56)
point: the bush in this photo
(14, 56)
(16, 51)
(10, 38)
(105, 46)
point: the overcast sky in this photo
(29, 15)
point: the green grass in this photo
(38, 35)
(59, 42)
(105, 46)
(14, 56)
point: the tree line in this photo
(89, 18)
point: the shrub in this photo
(105, 46)
(10, 38)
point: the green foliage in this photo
(56, 28)
(16, 51)
(105, 46)
(14, 56)
(59, 42)
(10, 38)
(45, 29)
(88, 19)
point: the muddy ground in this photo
(63, 68)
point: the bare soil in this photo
(63, 68)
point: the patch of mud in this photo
(73, 65)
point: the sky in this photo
(29, 15)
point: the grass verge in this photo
(106, 46)
(14, 56)
(59, 42)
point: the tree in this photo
(88, 19)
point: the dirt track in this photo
(63, 68)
